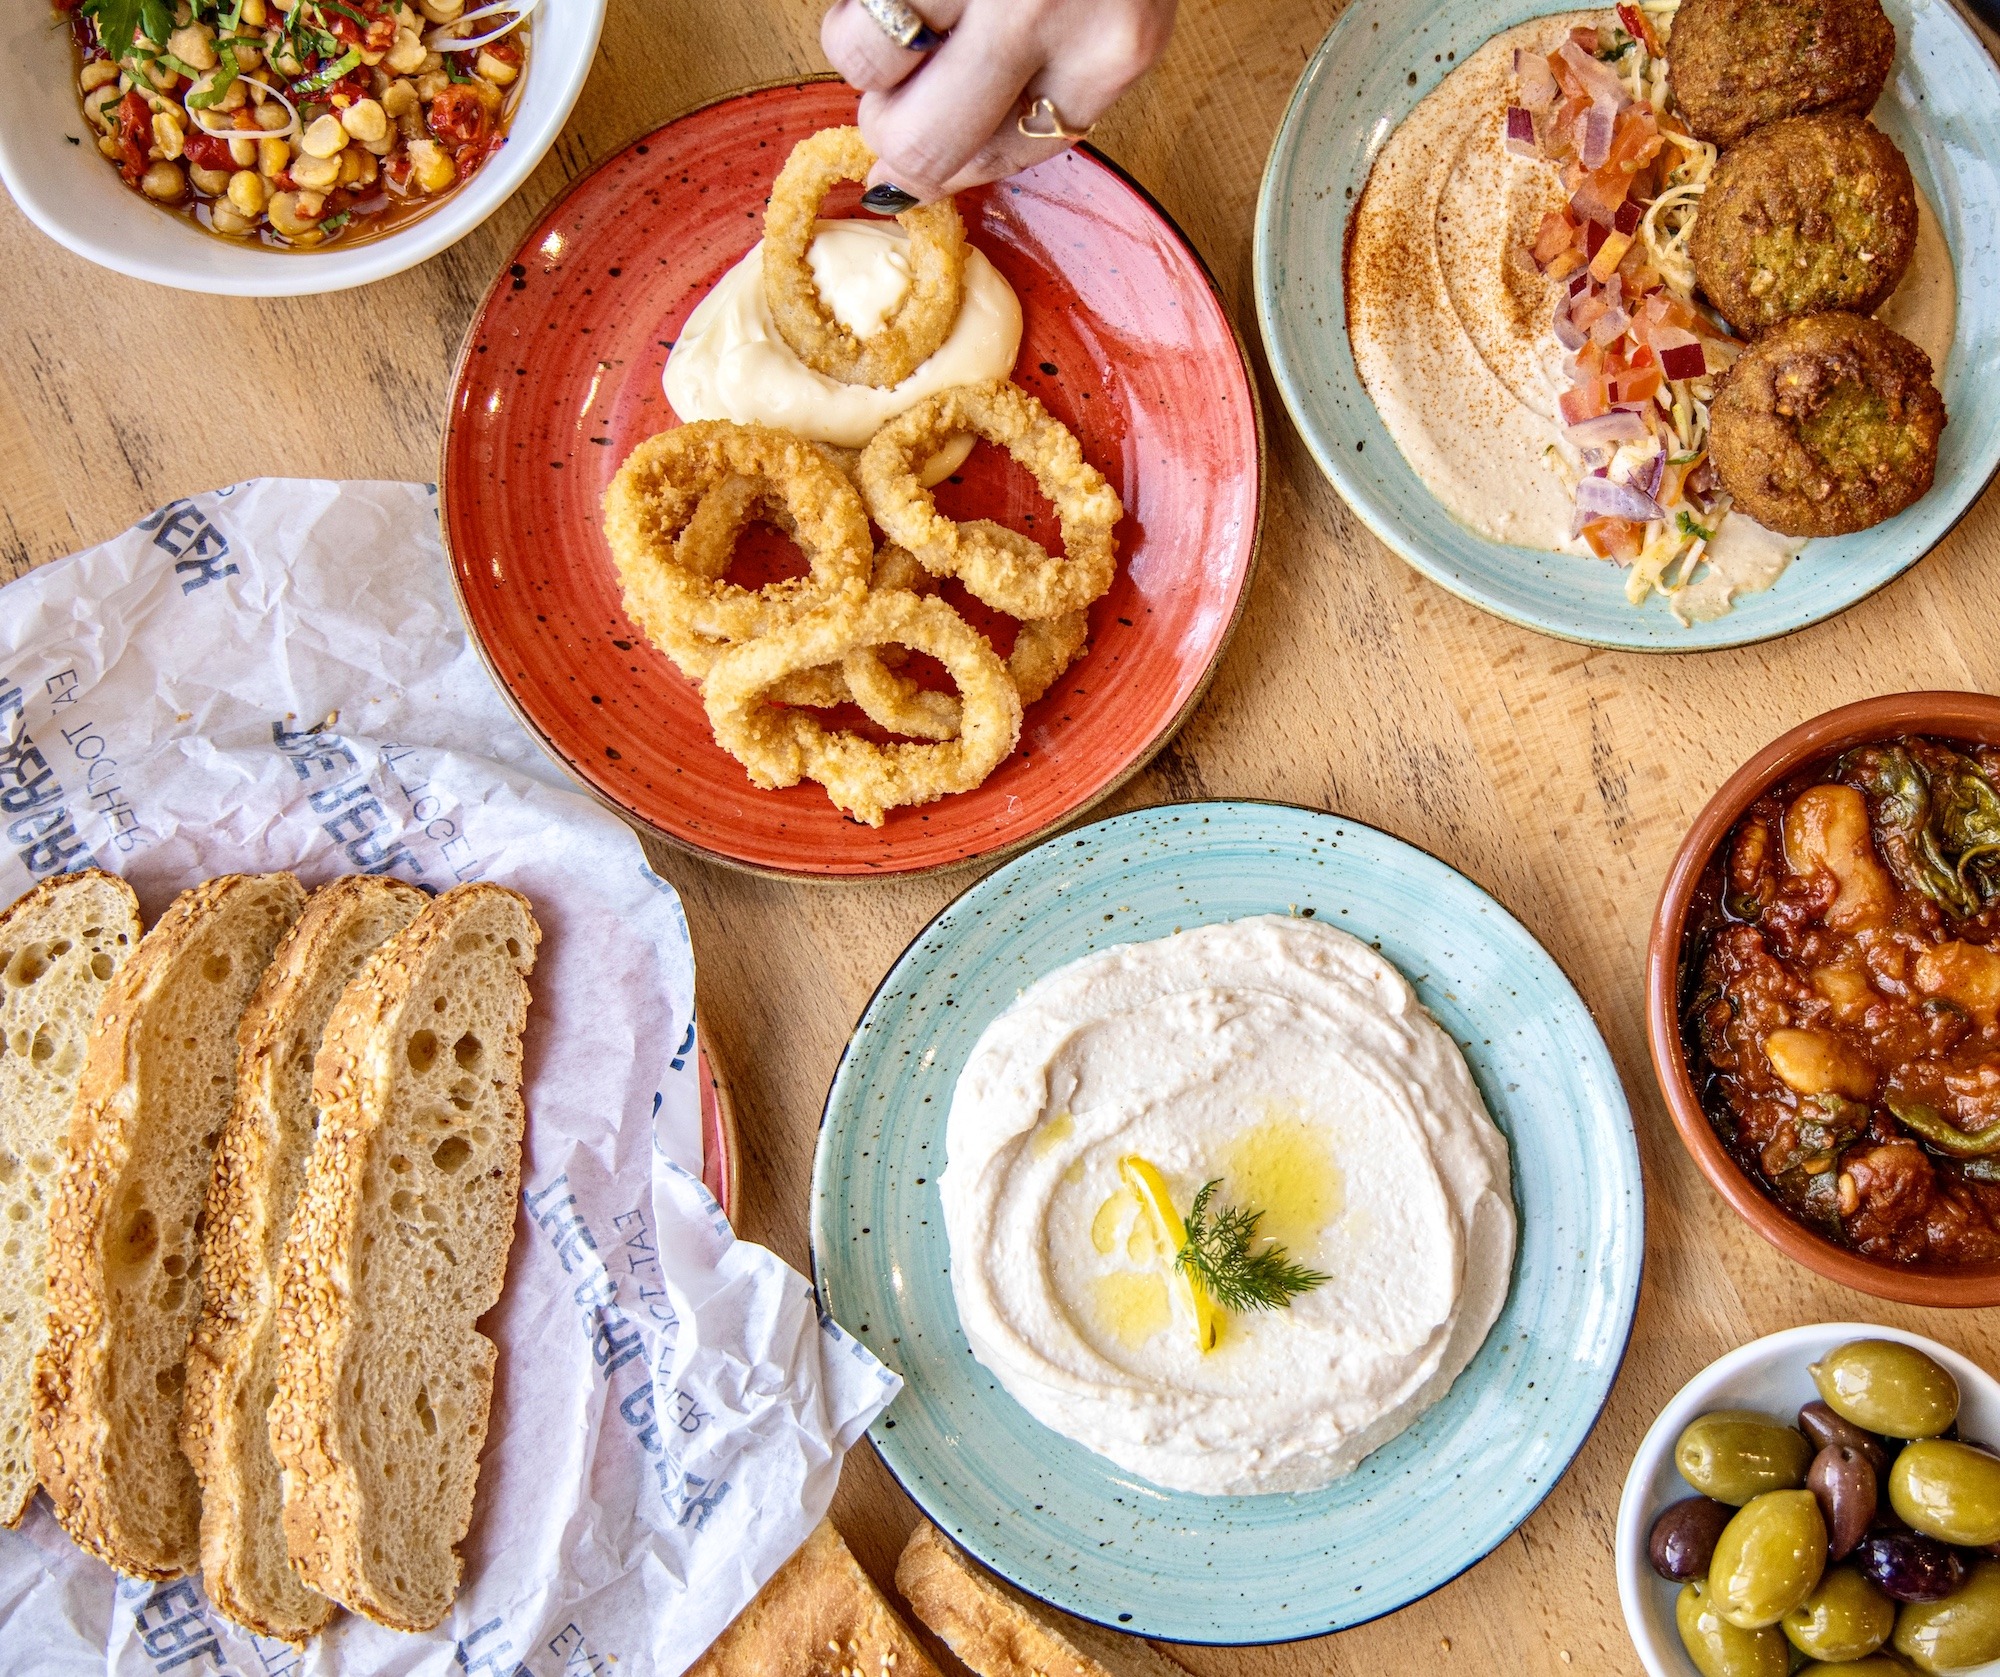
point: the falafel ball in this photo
(1826, 425)
(1815, 212)
(1734, 65)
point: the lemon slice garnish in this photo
(1143, 1177)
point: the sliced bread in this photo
(999, 1632)
(124, 1266)
(260, 1166)
(819, 1616)
(59, 946)
(397, 1247)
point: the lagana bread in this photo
(397, 1247)
(59, 947)
(260, 1166)
(819, 1616)
(124, 1265)
(999, 1632)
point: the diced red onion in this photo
(1608, 430)
(1593, 148)
(1579, 282)
(1594, 235)
(1521, 132)
(1538, 84)
(1568, 333)
(1611, 325)
(1599, 80)
(1599, 497)
(1648, 482)
(1683, 361)
(1614, 290)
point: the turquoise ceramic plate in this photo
(1065, 1524)
(1943, 108)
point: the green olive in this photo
(1887, 1387)
(1876, 1665)
(1733, 1455)
(1948, 1491)
(1961, 1630)
(1720, 1649)
(1845, 1618)
(1768, 1558)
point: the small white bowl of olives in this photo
(1822, 1501)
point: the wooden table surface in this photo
(1558, 777)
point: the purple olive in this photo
(1844, 1481)
(1823, 1427)
(1684, 1535)
(1907, 1566)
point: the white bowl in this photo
(1767, 1375)
(72, 194)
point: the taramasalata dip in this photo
(1294, 1068)
(1453, 315)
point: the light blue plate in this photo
(1942, 108)
(1065, 1524)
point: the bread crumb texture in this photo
(124, 1261)
(260, 1168)
(397, 1247)
(60, 947)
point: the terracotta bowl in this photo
(1963, 716)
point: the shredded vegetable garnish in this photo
(1642, 355)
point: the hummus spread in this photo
(1451, 330)
(730, 363)
(1295, 1065)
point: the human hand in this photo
(946, 119)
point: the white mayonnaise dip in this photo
(730, 363)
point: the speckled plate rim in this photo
(1628, 1303)
(1115, 783)
(1738, 628)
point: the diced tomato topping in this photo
(207, 151)
(135, 135)
(507, 51)
(1612, 252)
(1640, 386)
(1598, 198)
(1635, 141)
(1589, 398)
(458, 117)
(1639, 26)
(1613, 538)
(1628, 218)
(1556, 234)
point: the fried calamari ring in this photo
(1024, 581)
(1043, 649)
(782, 747)
(928, 311)
(674, 511)
(705, 548)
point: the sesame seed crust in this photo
(330, 1299)
(87, 1468)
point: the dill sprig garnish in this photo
(1218, 1255)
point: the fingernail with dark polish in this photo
(888, 200)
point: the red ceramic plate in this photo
(1126, 341)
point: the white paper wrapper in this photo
(275, 676)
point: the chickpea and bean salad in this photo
(298, 122)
